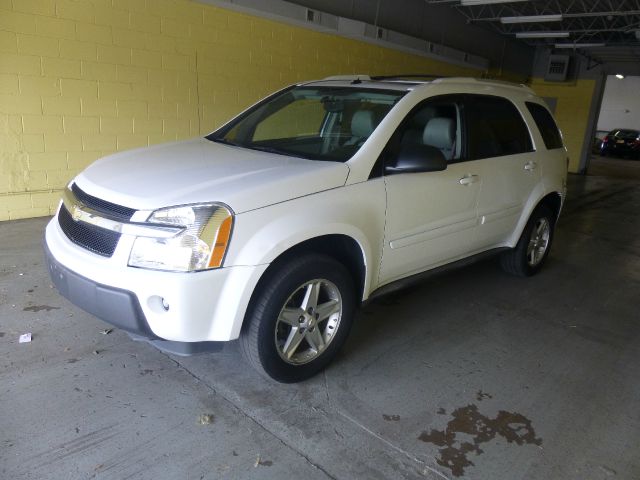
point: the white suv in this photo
(273, 228)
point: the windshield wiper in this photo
(224, 141)
(263, 148)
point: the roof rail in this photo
(408, 76)
(489, 81)
(348, 77)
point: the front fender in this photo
(357, 211)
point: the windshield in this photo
(317, 123)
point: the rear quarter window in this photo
(546, 125)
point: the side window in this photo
(495, 128)
(546, 125)
(435, 123)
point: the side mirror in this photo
(417, 159)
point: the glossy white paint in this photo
(431, 219)
(199, 170)
(403, 224)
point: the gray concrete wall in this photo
(620, 104)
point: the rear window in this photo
(546, 125)
(627, 134)
(495, 128)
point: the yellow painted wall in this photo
(572, 112)
(80, 79)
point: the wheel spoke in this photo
(293, 342)
(290, 316)
(325, 310)
(311, 296)
(314, 339)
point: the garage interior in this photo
(470, 374)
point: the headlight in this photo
(201, 246)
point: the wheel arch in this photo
(343, 248)
(553, 201)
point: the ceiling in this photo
(439, 24)
(605, 31)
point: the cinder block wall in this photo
(80, 79)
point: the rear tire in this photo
(299, 318)
(532, 249)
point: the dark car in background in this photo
(596, 145)
(621, 142)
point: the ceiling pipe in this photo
(570, 15)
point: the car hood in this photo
(199, 170)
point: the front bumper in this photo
(206, 306)
(115, 306)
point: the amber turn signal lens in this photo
(221, 241)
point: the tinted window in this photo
(547, 126)
(495, 128)
(625, 134)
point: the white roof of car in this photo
(411, 82)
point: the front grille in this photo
(109, 209)
(96, 239)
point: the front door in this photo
(430, 217)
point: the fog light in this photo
(158, 305)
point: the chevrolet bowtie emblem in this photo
(76, 213)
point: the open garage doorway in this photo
(615, 149)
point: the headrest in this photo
(439, 132)
(362, 123)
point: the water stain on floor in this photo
(480, 395)
(38, 308)
(468, 421)
(391, 418)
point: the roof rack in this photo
(348, 77)
(414, 78)
(409, 77)
(489, 81)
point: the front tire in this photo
(300, 316)
(532, 249)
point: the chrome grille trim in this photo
(82, 213)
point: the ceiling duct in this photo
(557, 68)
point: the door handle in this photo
(469, 179)
(530, 166)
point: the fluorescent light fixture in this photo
(580, 45)
(532, 19)
(469, 3)
(619, 76)
(542, 34)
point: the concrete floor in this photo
(473, 373)
(614, 167)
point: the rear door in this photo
(499, 140)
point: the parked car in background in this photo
(621, 142)
(597, 140)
